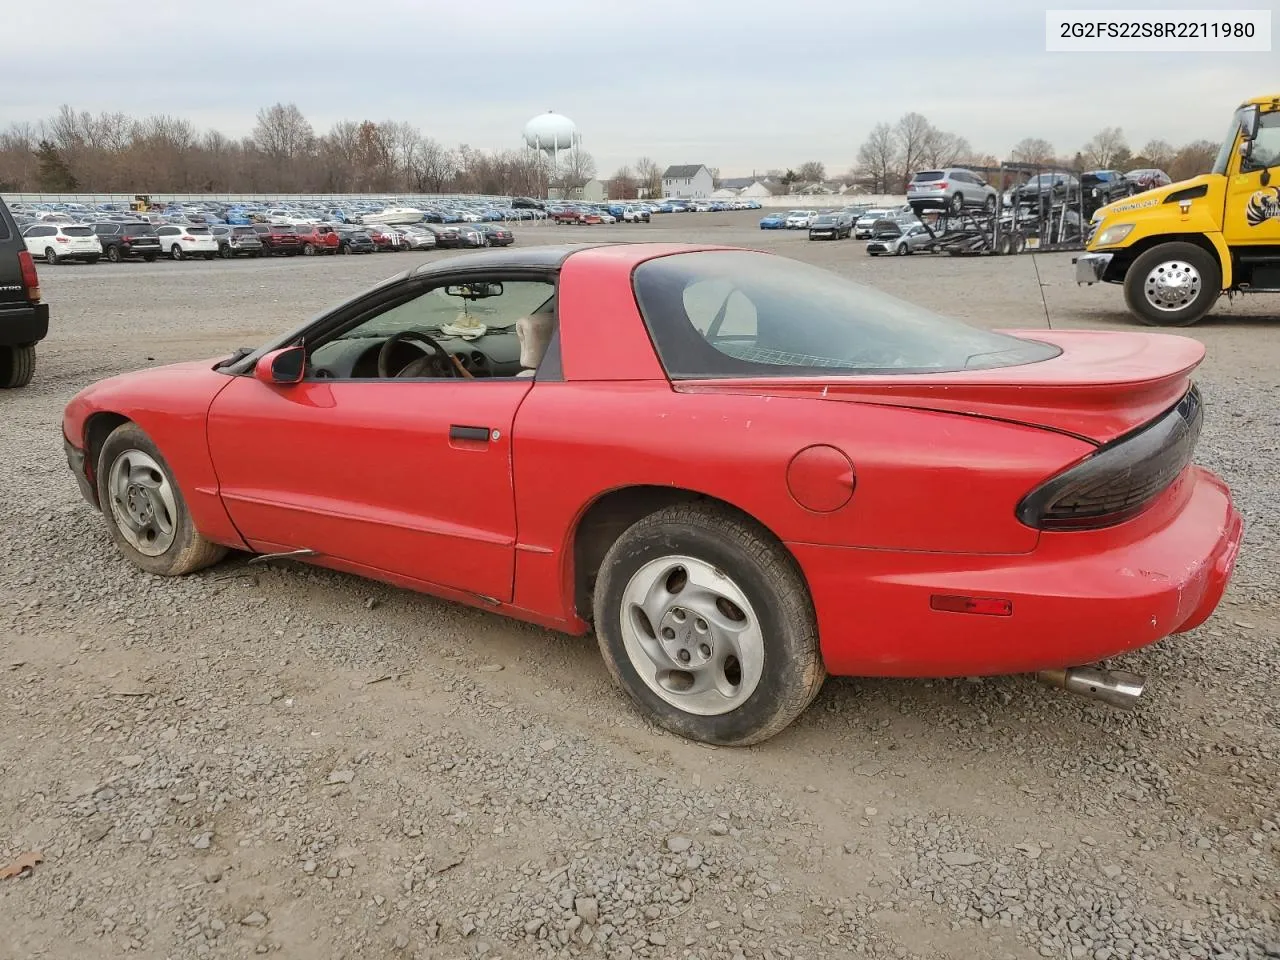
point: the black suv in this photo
(121, 241)
(24, 320)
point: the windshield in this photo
(1228, 142)
(745, 314)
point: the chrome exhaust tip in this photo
(1116, 687)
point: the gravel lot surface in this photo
(281, 760)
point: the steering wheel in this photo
(439, 361)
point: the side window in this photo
(720, 311)
(1266, 148)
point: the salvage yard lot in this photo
(279, 759)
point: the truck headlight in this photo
(1114, 234)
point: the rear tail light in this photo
(941, 185)
(30, 279)
(189, 239)
(62, 239)
(1120, 479)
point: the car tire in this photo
(17, 365)
(344, 249)
(901, 250)
(309, 250)
(50, 257)
(957, 203)
(761, 611)
(989, 205)
(224, 251)
(175, 252)
(113, 253)
(129, 452)
(1199, 270)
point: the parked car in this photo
(863, 226)
(355, 240)
(123, 240)
(1148, 179)
(415, 237)
(472, 235)
(565, 214)
(774, 221)
(953, 189)
(1045, 188)
(236, 240)
(278, 238)
(383, 237)
(497, 235)
(24, 316)
(60, 242)
(188, 240)
(1104, 186)
(831, 226)
(892, 238)
(317, 238)
(799, 219)
(633, 213)
(720, 602)
(446, 235)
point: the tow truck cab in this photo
(1177, 248)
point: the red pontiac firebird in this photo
(743, 472)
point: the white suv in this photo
(58, 242)
(192, 240)
(799, 219)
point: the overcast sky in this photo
(743, 86)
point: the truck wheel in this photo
(146, 514)
(705, 621)
(1172, 285)
(17, 365)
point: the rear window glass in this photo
(77, 231)
(245, 232)
(924, 175)
(288, 230)
(198, 231)
(744, 314)
(139, 229)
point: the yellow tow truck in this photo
(1177, 248)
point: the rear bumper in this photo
(1092, 267)
(1077, 598)
(24, 324)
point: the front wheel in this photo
(146, 514)
(1172, 285)
(902, 250)
(17, 365)
(989, 205)
(705, 621)
(113, 253)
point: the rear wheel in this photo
(309, 250)
(957, 203)
(224, 250)
(705, 621)
(1172, 285)
(50, 257)
(113, 253)
(175, 252)
(144, 509)
(990, 204)
(17, 365)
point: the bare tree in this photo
(1193, 159)
(623, 184)
(576, 168)
(913, 133)
(812, 171)
(1032, 150)
(942, 149)
(648, 177)
(1159, 153)
(1105, 148)
(283, 136)
(878, 163)
(435, 166)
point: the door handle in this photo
(459, 432)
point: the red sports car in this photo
(743, 472)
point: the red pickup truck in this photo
(318, 238)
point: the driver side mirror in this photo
(286, 365)
(1250, 118)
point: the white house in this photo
(692, 181)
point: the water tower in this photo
(551, 133)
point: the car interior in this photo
(472, 329)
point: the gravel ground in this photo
(284, 760)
